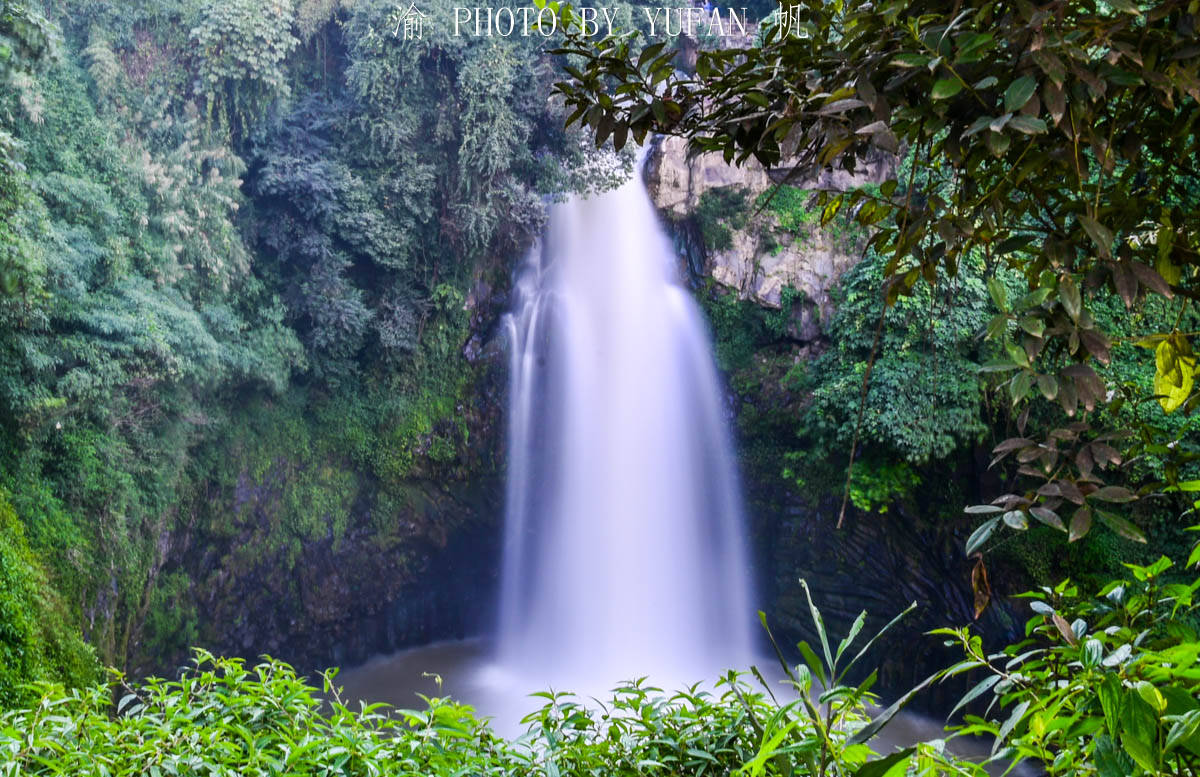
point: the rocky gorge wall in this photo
(763, 255)
(338, 604)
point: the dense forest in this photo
(243, 247)
(253, 259)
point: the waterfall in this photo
(624, 552)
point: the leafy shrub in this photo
(739, 327)
(1104, 685)
(149, 302)
(719, 213)
(874, 484)
(240, 47)
(35, 641)
(221, 717)
(925, 399)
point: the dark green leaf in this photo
(998, 293)
(1016, 519)
(981, 535)
(865, 733)
(1068, 295)
(1018, 93)
(1139, 732)
(1028, 124)
(1122, 527)
(1015, 717)
(1048, 517)
(946, 88)
(980, 688)
(1081, 523)
(882, 766)
(1114, 494)
(1101, 235)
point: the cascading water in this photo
(623, 553)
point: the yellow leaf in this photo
(1175, 370)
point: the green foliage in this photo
(1104, 685)
(25, 38)
(173, 617)
(224, 717)
(136, 307)
(739, 328)
(924, 399)
(828, 735)
(240, 47)
(422, 173)
(493, 137)
(799, 214)
(25, 43)
(155, 308)
(220, 716)
(873, 488)
(37, 642)
(719, 213)
(791, 205)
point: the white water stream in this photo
(624, 552)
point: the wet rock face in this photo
(880, 564)
(764, 256)
(341, 604)
(338, 603)
(676, 183)
(760, 269)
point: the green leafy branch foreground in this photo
(1103, 686)
(221, 717)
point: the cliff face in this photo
(767, 253)
(339, 603)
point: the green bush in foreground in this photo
(1104, 686)
(37, 641)
(222, 718)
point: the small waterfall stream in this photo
(624, 552)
